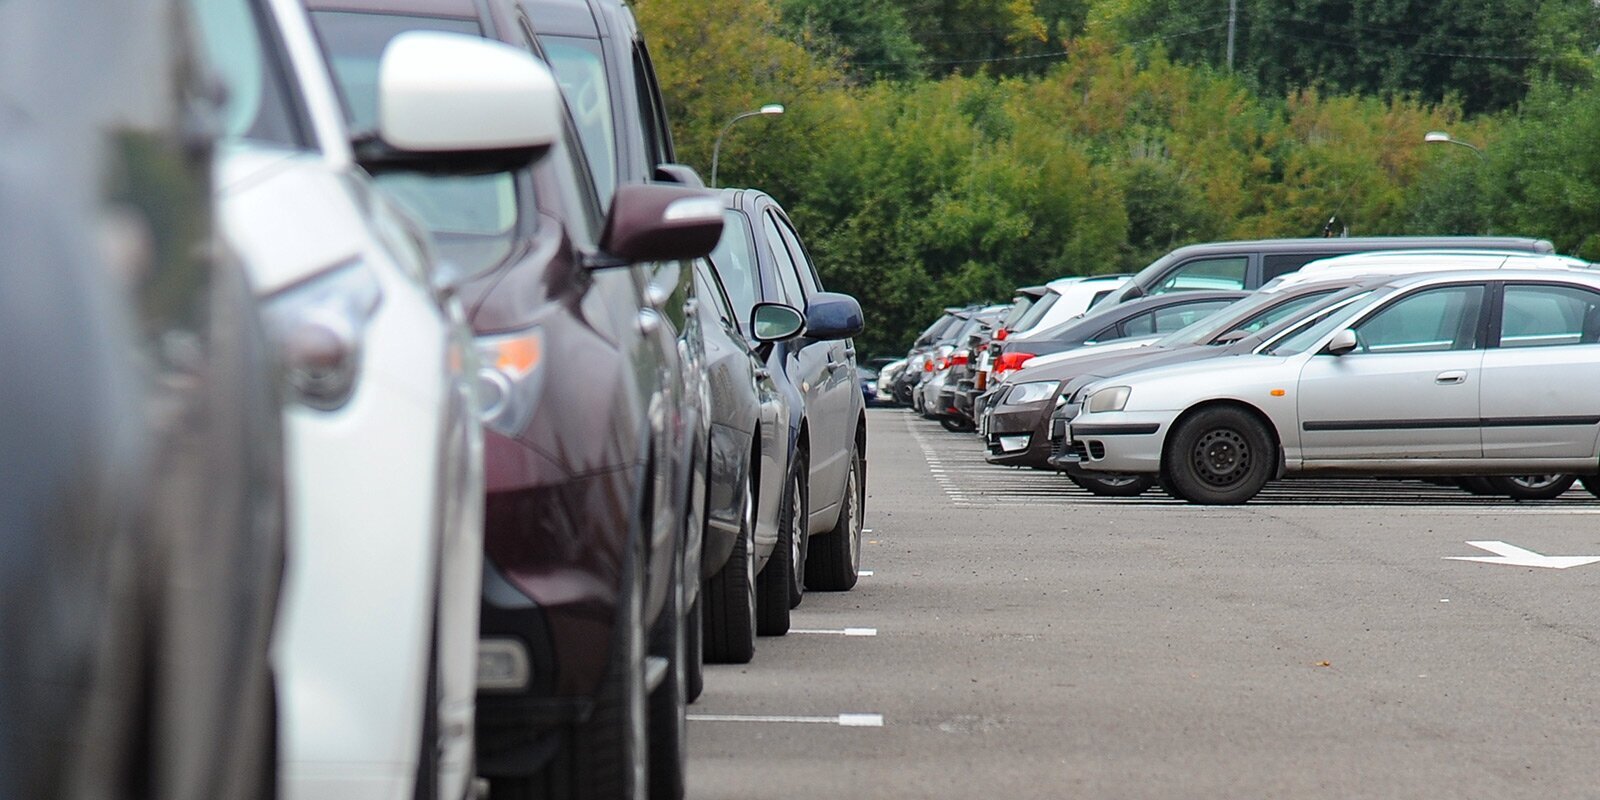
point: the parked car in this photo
(1064, 300)
(1016, 427)
(925, 351)
(819, 516)
(1443, 374)
(887, 377)
(141, 514)
(1249, 264)
(377, 646)
(749, 439)
(578, 688)
(940, 390)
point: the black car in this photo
(141, 524)
(819, 512)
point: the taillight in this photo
(1000, 335)
(1010, 361)
(944, 364)
(960, 358)
(927, 365)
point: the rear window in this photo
(1037, 311)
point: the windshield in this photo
(1248, 315)
(580, 68)
(473, 217)
(1321, 325)
(735, 262)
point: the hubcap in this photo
(852, 494)
(1535, 481)
(795, 525)
(1222, 457)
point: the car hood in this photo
(1177, 386)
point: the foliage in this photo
(941, 185)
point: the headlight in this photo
(319, 326)
(1113, 398)
(1033, 392)
(508, 382)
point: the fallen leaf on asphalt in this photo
(1324, 663)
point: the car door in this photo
(834, 426)
(1408, 390)
(1541, 384)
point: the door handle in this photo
(1453, 376)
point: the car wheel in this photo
(1532, 487)
(1591, 484)
(1478, 485)
(798, 508)
(1220, 456)
(833, 566)
(730, 595)
(606, 755)
(774, 586)
(957, 424)
(694, 675)
(1110, 484)
(668, 721)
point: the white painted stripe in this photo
(865, 573)
(842, 720)
(837, 632)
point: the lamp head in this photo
(1436, 136)
(772, 109)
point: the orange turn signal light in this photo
(1278, 392)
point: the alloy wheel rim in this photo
(852, 493)
(1222, 457)
(1535, 482)
(794, 524)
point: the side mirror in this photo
(830, 315)
(1342, 342)
(451, 103)
(681, 174)
(772, 322)
(656, 222)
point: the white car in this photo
(1437, 374)
(1064, 299)
(376, 643)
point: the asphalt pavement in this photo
(1018, 638)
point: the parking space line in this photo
(837, 632)
(842, 720)
(864, 573)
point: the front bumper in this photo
(1128, 442)
(1014, 436)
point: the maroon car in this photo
(586, 418)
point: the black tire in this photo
(729, 596)
(1478, 485)
(605, 757)
(669, 639)
(1107, 484)
(833, 563)
(1532, 487)
(1591, 484)
(957, 424)
(799, 510)
(694, 652)
(1220, 456)
(775, 584)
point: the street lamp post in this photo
(1443, 137)
(769, 110)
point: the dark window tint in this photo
(1207, 273)
(1429, 320)
(807, 271)
(788, 279)
(1542, 316)
(735, 263)
(1284, 263)
(653, 112)
(259, 104)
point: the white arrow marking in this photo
(1514, 556)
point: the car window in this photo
(1162, 320)
(1207, 273)
(807, 271)
(258, 105)
(1284, 263)
(653, 114)
(1542, 316)
(789, 282)
(1037, 311)
(580, 68)
(1430, 320)
(711, 288)
(1019, 307)
(472, 217)
(1280, 312)
(735, 262)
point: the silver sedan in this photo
(1460, 373)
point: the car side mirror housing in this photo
(1342, 342)
(773, 322)
(659, 222)
(450, 103)
(830, 315)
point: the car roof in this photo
(1342, 244)
(461, 9)
(1059, 284)
(1574, 277)
(1474, 259)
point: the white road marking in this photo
(842, 720)
(865, 573)
(1513, 556)
(837, 632)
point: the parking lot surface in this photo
(1019, 638)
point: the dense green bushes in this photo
(914, 193)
